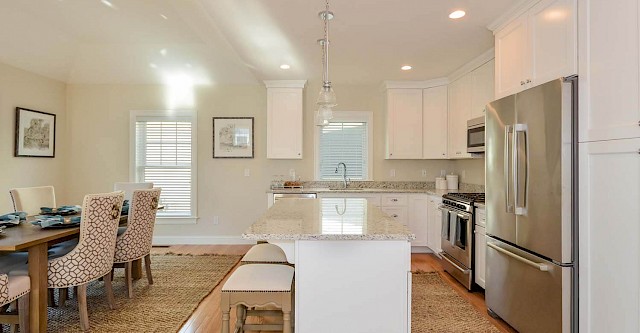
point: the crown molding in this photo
(473, 64)
(416, 84)
(285, 83)
(512, 13)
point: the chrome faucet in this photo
(345, 180)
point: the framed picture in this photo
(35, 133)
(233, 137)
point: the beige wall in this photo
(470, 171)
(99, 145)
(31, 91)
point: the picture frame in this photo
(233, 137)
(35, 134)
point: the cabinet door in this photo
(609, 70)
(480, 255)
(512, 57)
(482, 91)
(404, 123)
(284, 123)
(435, 224)
(610, 236)
(418, 218)
(459, 113)
(553, 36)
(434, 122)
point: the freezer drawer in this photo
(531, 294)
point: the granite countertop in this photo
(326, 219)
(375, 190)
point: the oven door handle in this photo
(464, 271)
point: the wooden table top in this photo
(27, 235)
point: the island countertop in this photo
(326, 219)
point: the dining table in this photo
(36, 241)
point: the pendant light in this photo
(326, 97)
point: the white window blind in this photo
(343, 217)
(163, 149)
(345, 142)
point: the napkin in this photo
(47, 221)
(61, 210)
(125, 207)
(13, 218)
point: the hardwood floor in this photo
(207, 316)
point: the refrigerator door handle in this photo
(518, 189)
(542, 267)
(508, 134)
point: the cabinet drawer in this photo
(397, 213)
(394, 200)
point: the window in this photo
(347, 139)
(164, 153)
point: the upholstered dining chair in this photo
(30, 199)
(92, 258)
(11, 289)
(135, 242)
(128, 188)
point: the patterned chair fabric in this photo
(14, 289)
(30, 199)
(93, 257)
(135, 242)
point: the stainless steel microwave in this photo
(475, 135)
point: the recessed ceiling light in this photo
(457, 14)
(107, 3)
(284, 66)
(152, 65)
(163, 52)
(188, 65)
(164, 16)
(406, 67)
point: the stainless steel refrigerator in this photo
(531, 207)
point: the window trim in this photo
(347, 116)
(169, 115)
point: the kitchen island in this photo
(352, 264)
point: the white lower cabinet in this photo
(610, 236)
(418, 218)
(434, 224)
(398, 213)
(480, 255)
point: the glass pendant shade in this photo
(323, 115)
(327, 97)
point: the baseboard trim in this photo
(200, 240)
(420, 249)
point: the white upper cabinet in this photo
(536, 47)
(459, 113)
(284, 119)
(404, 124)
(434, 123)
(482, 88)
(609, 70)
(511, 53)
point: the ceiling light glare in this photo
(406, 67)
(163, 52)
(457, 14)
(284, 66)
(152, 65)
(107, 3)
(164, 16)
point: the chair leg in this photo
(286, 324)
(128, 279)
(108, 289)
(62, 296)
(23, 313)
(13, 328)
(82, 307)
(225, 308)
(147, 266)
(51, 298)
(240, 314)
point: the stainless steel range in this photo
(457, 234)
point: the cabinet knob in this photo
(528, 81)
(298, 154)
(394, 215)
(394, 200)
(522, 83)
(458, 153)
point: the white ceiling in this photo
(241, 41)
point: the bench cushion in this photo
(260, 278)
(265, 253)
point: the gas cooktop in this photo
(467, 198)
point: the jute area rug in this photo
(180, 284)
(437, 308)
